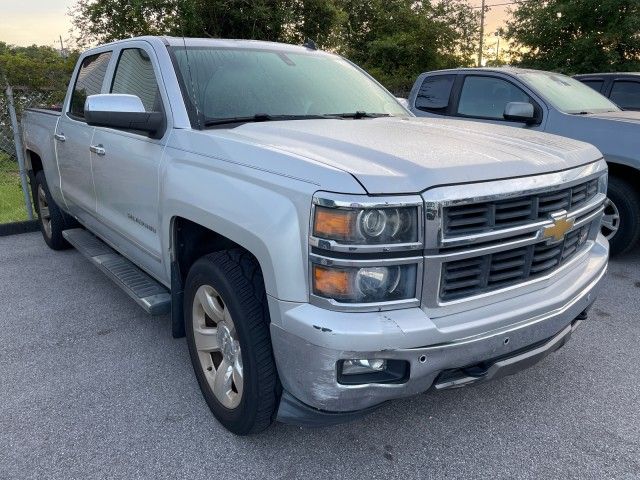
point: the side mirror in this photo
(122, 111)
(520, 112)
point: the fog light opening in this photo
(372, 370)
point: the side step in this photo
(153, 297)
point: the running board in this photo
(153, 297)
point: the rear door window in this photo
(626, 94)
(434, 94)
(135, 76)
(486, 97)
(595, 84)
(88, 82)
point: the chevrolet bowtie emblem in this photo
(560, 227)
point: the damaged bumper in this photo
(309, 342)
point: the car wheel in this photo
(621, 220)
(227, 328)
(52, 220)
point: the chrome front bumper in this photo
(308, 341)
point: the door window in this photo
(434, 93)
(88, 82)
(626, 94)
(595, 84)
(134, 76)
(486, 97)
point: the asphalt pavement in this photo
(92, 387)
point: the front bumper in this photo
(309, 341)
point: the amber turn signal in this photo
(330, 283)
(333, 223)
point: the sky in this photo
(40, 22)
(25, 22)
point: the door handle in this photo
(60, 137)
(98, 149)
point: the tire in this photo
(52, 220)
(225, 306)
(626, 203)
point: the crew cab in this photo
(322, 249)
(553, 103)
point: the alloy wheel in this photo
(218, 346)
(43, 211)
(610, 220)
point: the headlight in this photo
(387, 225)
(366, 252)
(371, 284)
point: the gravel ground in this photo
(92, 387)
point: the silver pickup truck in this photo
(553, 103)
(322, 249)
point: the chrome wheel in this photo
(610, 220)
(43, 211)
(217, 345)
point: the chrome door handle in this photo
(98, 149)
(60, 137)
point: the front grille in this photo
(488, 216)
(473, 276)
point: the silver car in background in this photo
(553, 103)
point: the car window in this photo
(486, 97)
(626, 94)
(567, 94)
(595, 84)
(89, 81)
(434, 93)
(134, 76)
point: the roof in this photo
(506, 69)
(608, 74)
(216, 42)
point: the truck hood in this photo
(409, 155)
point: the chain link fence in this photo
(15, 199)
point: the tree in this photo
(36, 67)
(395, 40)
(576, 36)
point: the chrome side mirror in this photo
(520, 112)
(116, 110)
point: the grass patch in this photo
(12, 208)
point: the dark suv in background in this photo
(623, 89)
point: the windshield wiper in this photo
(261, 117)
(360, 114)
(580, 113)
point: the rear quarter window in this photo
(434, 94)
(88, 82)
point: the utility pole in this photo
(481, 33)
(61, 47)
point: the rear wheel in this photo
(621, 221)
(227, 329)
(52, 220)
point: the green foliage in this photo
(395, 40)
(576, 36)
(34, 67)
(12, 208)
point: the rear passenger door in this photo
(434, 95)
(73, 138)
(626, 94)
(126, 164)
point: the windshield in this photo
(568, 95)
(224, 83)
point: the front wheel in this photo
(621, 220)
(227, 329)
